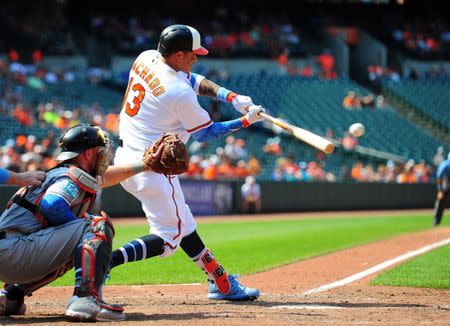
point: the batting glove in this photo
(241, 103)
(253, 115)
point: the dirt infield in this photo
(282, 300)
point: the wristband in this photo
(4, 176)
(231, 96)
(223, 94)
(245, 122)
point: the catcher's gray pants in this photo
(29, 258)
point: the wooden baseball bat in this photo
(304, 135)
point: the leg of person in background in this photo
(258, 206)
(245, 207)
(439, 207)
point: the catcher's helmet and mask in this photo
(180, 38)
(83, 137)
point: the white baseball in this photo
(357, 129)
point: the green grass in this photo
(430, 270)
(249, 247)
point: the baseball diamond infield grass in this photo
(246, 247)
(427, 271)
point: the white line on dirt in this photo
(178, 284)
(379, 267)
(306, 306)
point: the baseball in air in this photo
(357, 129)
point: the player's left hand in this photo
(167, 155)
(241, 103)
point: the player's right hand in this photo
(34, 178)
(253, 114)
(241, 103)
(440, 195)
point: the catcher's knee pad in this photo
(93, 256)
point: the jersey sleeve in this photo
(194, 80)
(66, 189)
(189, 112)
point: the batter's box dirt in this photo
(282, 301)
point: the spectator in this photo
(326, 61)
(351, 101)
(251, 196)
(438, 157)
(273, 146)
(253, 166)
(349, 142)
(241, 169)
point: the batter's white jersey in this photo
(158, 99)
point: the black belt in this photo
(2, 235)
(120, 142)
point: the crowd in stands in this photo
(354, 101)
(15, 75)
(232, 162)
(43, 28)
(423, 39)
(434, 73)
(28, 153)
(226, 33)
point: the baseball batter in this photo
(161, 97)
(46, 230)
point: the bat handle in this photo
(278, 122)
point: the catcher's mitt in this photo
(168, 155)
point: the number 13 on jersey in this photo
(133, 105)
(139, 92)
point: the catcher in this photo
(161, 98)
(46, 229)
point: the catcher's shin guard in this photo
(93, 256)
(215, 271)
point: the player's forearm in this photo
(208, 88)
(117, 173)
(211, 89)
(218, 129)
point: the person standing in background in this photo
(443, 187)
(251, 196)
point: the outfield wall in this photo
(223, 197)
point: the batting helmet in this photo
(78, 139)
(180, 38)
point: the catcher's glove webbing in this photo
(168, 155)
